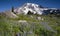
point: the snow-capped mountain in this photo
(34, 8)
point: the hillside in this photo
(30, 20)
(30, 25)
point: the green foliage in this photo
(10, 26)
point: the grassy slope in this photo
(11, 25)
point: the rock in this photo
(40, 18)
(22, 21)
(31, 16)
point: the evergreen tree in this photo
(12, 9)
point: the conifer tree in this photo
(12, 9)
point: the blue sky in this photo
(7, 4)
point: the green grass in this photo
(11, 26)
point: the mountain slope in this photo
(35, 9)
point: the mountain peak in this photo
(32, 5)
(34, 8)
